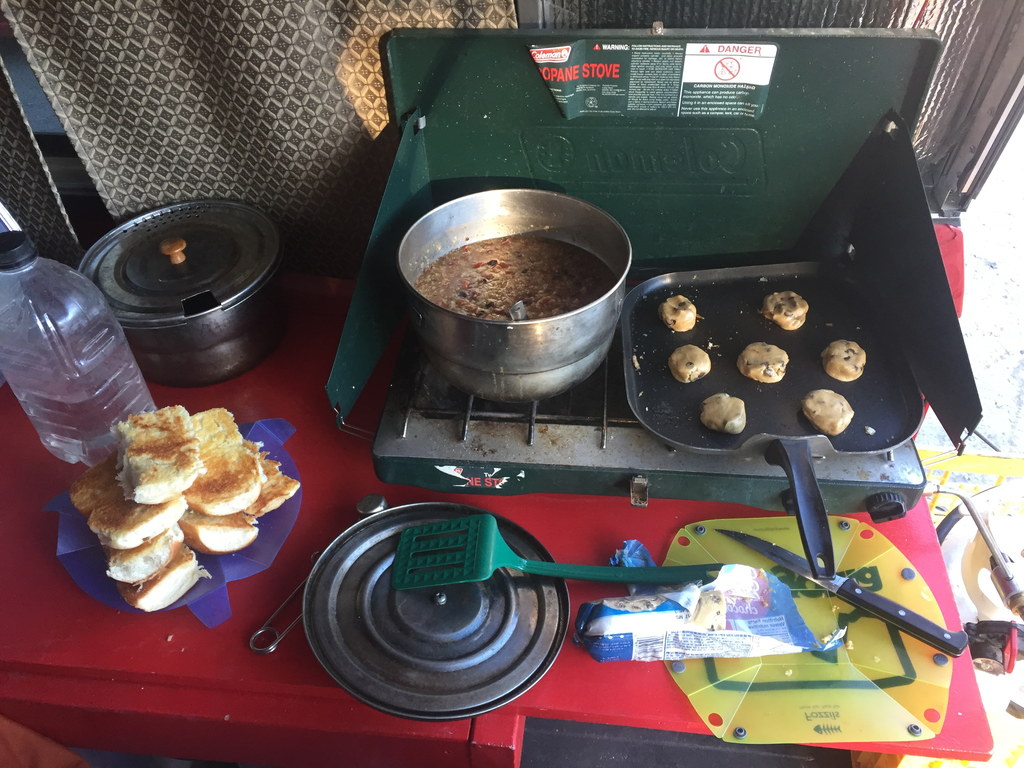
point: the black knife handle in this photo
(914, 624)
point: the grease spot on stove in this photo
(477, 446)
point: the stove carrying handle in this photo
(794, 456)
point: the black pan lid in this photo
(183, 259)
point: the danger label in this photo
(726, 79)
(746, 63)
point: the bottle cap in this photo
(16, 250)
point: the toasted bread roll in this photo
(119, 522)
(142, 562)
(233, 476)
(158, 454)
(167, 585)
(218, 534)
(93, 488)
(275, 491)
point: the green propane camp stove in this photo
(713, 149)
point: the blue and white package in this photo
(744, 612)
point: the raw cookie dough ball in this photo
(827, 410)
(678, 313)
(844, 360)
(787, 309)
(689, 363)
(763, 362)
(724, 413)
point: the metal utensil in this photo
(847, 588)
(1008, 583)
(268, 637)
(471, 549)
(518, 311)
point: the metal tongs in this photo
(266, 639)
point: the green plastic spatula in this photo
(471, 549)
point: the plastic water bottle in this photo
(64, 355)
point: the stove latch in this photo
(638, 494)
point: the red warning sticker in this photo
(746, 63)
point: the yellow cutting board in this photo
(882, 685)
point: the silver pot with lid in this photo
(194, 285)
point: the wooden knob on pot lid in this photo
(173, 247)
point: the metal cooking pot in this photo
(194, 285)
(515, 360)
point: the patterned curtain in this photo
(26, 189)
(277, 103)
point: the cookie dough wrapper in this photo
(745, 612)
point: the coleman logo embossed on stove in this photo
(724, 157)
(729, 157)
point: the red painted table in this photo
(90, 676)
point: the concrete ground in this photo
(992, 320)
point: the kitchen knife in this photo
(847, 588)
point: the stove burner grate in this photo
(589, 404)
(588, 441)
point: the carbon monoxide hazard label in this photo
(726, 79)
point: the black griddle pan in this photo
(887, 403)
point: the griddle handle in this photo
(794, 456)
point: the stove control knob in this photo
(885, 506)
